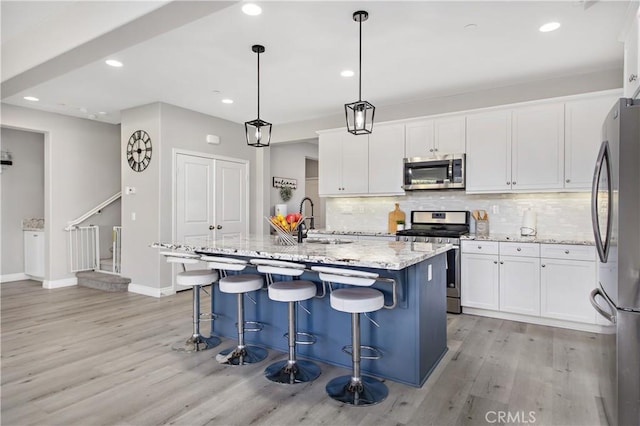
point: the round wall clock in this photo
(139, 150)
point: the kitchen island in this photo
(411, 336)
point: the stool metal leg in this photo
(291, 370)
(196, 342)
(241, 354)
(356, 389)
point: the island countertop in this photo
(392, 255)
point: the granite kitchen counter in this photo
(313, 232)
(391, 255)
(33, 224)
(533, 239)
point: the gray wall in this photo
(288, 161)
(172, 127)
(82, 169)
(22, 187)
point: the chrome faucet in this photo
(311, 225)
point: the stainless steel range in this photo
(441, 227)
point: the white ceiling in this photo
(196, 54)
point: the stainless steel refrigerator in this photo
(615, 213)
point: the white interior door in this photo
(194, 197)
(231, 189)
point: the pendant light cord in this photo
(258, 85)
(360, 64)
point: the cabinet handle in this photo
(513, 183)
(502, 263)
(431, 150)
(495, 262)
(436, 149)
(566, 252)
(479, 247)
(519, 249)
(633, 77)
(35, 235)
(568, 180)
(508, 183)
(543, 265)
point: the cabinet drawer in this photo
(520, 249)
(480, 247)
(567, 251)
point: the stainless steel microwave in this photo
(443, 172)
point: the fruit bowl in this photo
(286, 227)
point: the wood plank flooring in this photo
(79, 356)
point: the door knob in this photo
(211, 227)
(219, 227)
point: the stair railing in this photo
(93, 211)
(84, 248)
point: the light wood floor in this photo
(78, 356)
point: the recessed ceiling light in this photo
(471, 26)
(227, 101)
(113, 63)
(549, 26)
(252, 9)
(347, 73)
(31, 98)
(102, 113)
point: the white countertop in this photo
(534, 239)
(393, 255)
(313, 232)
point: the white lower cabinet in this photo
(34, 253)
(550, 282)
(565, 285)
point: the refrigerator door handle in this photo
(607, 315)
(602, 244)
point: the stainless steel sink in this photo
(327, 241)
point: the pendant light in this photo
(359, 114)
(258, 131)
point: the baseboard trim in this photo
(151, 291)
(592, 328)
(8, 278)
(65, 282)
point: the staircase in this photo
(102, 281)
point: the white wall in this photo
(22, 187)
(288, 161)
(171, 127)
(82, 169)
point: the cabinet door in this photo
(386, 152)
(419, 139)
(479, 278)
(565, 286)
(330, 164)
(34, 253)
(489, 152)
(355, 164)
(583, 130)
(449, 135)
(520, 285)
(538, 147)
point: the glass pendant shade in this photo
(359, 116)
(258, 133)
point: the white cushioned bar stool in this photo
(355, 389)
(290, 370)
(195, 279)
(240, 285)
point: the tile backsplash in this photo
(558, 215)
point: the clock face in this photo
(139, 150)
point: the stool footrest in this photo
(310, 338)
(208, 316)
(375, 353)
(256, 326)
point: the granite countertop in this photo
(33, 224)
(534, 239)
(393, 255)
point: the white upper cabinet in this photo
(538, 147)
(631, 58)
(489, 151)
(386, 152)
(343, 164)
(439, 136)
(583, 130)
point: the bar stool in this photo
(196, 279)
(355, 389)
(240, 285)
(291, 370)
